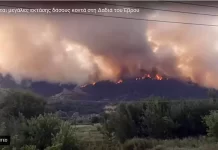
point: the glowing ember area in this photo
(120, 81)
(88, 84)
(158, 77)
(146, 76)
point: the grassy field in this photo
(201, 143)
(90, 133)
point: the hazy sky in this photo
(79, 49)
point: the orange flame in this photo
(88, 84)
(119, 81)
(158, 77)
(146, 76)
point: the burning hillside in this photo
(86, 49)
(144, 77)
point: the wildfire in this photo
(158, 77)
(88, 84)
(146, 76)
(119, 81)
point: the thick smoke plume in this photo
(193, 50)
(75, 49)
(32, 48)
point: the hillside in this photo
(130, 89)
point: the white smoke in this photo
(193, 48)
(32, 48)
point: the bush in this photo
(212, 123)
(101, 145)
(66, 138)
(137, 144)
(40, 131)
(44, 132)
(28, 147)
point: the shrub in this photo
(66, 138)
(212, 123)
(28, 147)
(40, 131)
(101, 145)
(139, 144)
(159, 147)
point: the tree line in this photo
(33, 125)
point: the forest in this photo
(154, 123)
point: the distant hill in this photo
(93, 98)
(43, 88)
(130, 89)
(49, 89)
(68, 95)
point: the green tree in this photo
(212, 123)
(157, 119)
(25, 102)
(106, 129)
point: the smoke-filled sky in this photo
(68, 48)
